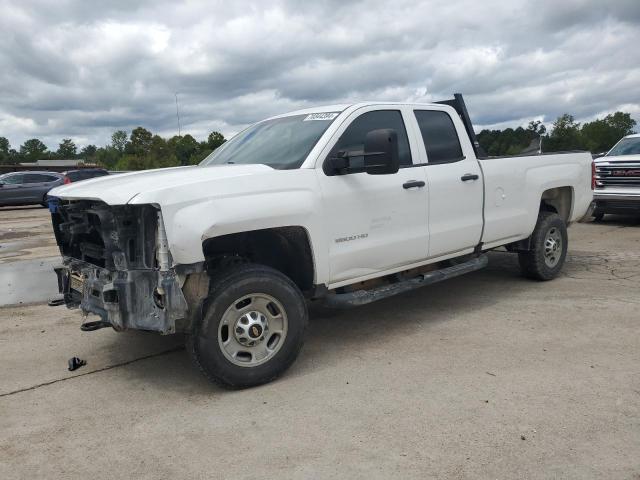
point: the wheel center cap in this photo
(250, 328)
(255, 331)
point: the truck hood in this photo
(619, 159)
(120, 189)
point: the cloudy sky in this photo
(82, 69)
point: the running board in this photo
(362, 297)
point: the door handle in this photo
(413, 184)
(469, 176)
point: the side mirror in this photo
(381, 155)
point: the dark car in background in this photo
(71, 176)
(27, 188)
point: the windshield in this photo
(626, 146)
(281, 143)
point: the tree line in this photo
(138, 150)
(141, 149)
(597, 136)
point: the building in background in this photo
(53, 163)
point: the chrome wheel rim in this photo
(252, 330)
(552, 247)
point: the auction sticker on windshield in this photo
(321, 116)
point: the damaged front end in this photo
(116, 264)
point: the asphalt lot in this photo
(484, 376)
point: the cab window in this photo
(353, 137)
(439, 136)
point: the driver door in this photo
(373, 223)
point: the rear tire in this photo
(548, 251)
(253, 329)
(598, 216)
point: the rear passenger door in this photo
(455, 183)
(36, 185)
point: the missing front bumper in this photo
(128, 299)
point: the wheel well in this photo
(558, 200)
(286, 249)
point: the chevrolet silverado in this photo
(341, 205)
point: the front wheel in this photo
(253, 328)
(548, 248)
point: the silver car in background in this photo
(27, 188)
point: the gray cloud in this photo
(83, 69)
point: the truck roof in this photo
(340, 107)
(457, 104)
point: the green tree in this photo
(564, 136)
(602, 134)
(33, 149)
(537, 127)
(107, 157)
(5, 146)
(202, 153)
(160, 154)
(89, 152)
(508, 141)
(119, 140)
(131, 162)
(214, 140)
(140, 141)
(67, 149)
(183, 147)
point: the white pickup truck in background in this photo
(343, 205)
(616, 187)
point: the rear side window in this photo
(353, 137)
(13, 179)
(439, 136)
(36, 178)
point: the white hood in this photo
(121, 188)
(619, 159)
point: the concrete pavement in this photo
(484, 376)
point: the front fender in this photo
(258, 203)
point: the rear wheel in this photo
(253, 328)
(548, 251)
(598, 216)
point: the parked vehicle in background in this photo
(616, 186)
(71, 176)
(343, 205)
(27, 188)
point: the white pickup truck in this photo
(342, 205)
(616, 186)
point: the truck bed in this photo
(514, 185)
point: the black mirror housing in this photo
(381, 154)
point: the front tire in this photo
(253, 329)
(548, 250)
